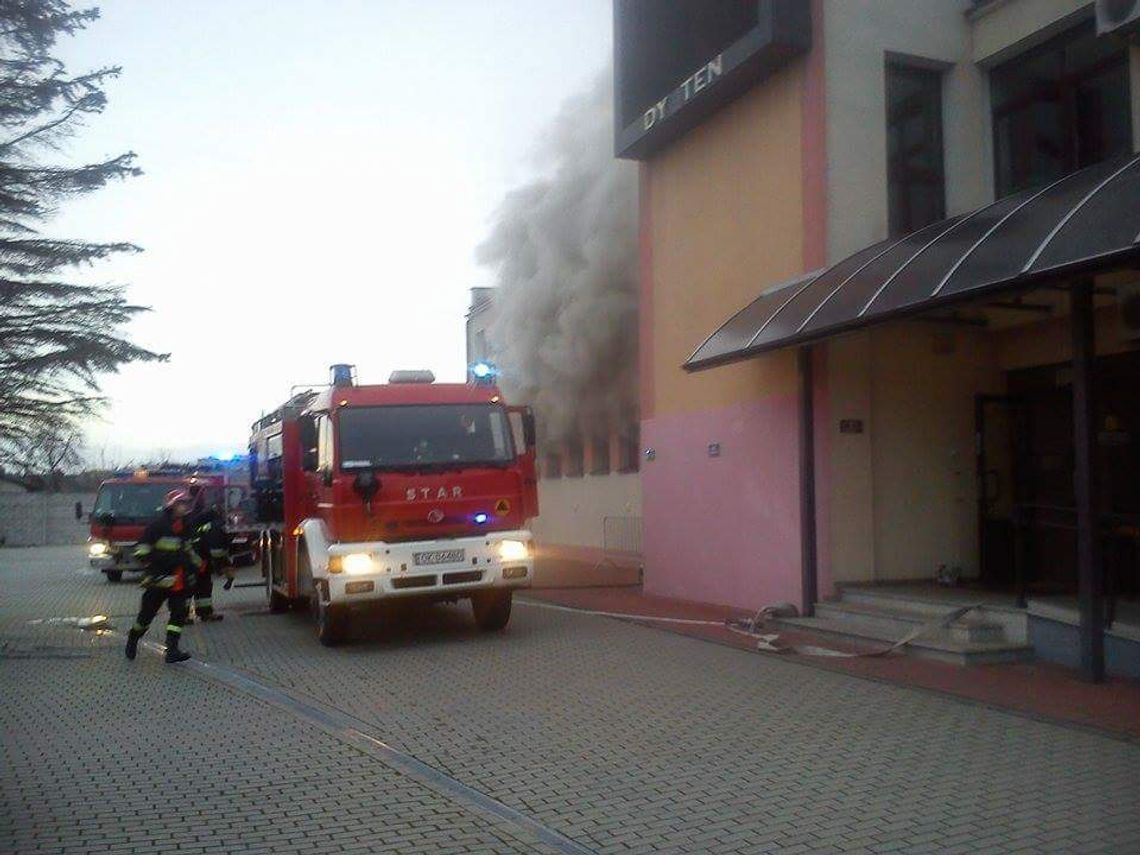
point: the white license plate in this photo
(438, 556)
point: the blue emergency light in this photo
(483, 372)
(480, 518)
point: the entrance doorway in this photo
(1026, 462)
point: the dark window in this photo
(916, 183)
(575, 458)
(1060, 107)
(629, 449)
(132, 502)
(419, 436)
(600, 455)
(552, 465)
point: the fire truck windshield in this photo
(131, 502)
(424, 436)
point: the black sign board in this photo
(678, 61)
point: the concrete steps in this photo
(870, 617)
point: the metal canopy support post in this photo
(1090, 581)
(809, 585)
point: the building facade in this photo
(777, 140)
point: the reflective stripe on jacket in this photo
(164, 550)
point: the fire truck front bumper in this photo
(109, 555)
(361, 572)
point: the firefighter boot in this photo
(173, 654)
(133, 643)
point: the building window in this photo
(1060, 107)
(916, 181)
(600, 455)
(552, 465)
(575, 457)
(629, 449)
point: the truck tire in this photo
(113, 575)
(492, 610)
(331, 621)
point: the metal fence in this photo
(622, 534)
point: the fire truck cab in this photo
(386, 493)
(124, 506)
(127, 503)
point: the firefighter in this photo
(208, 539)
(164, 550)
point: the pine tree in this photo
(56, 335)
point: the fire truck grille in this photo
(465, 576)
(414, 582)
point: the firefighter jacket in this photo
(208, 538)
(164, 550)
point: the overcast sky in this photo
(318, 176)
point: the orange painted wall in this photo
(725, 221)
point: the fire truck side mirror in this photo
(529, 432)
(79, 510)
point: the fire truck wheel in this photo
(332, 623)
(492, 610)
(113, 575)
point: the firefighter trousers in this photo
(152, 600)
(204, 593)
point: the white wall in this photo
(572, 510)
(852, 483)
(1020, 24)
(924, 381)
(858, 34)
(903, 493)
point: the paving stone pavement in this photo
(621, 737)
(103, 755)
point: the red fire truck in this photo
(385, 493)
(128, 502)
(125, 505)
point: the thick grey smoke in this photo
(564, 248)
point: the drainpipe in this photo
(809, 583)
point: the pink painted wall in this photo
(718, 225)
(726, 529)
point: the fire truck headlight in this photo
(513, 550)
(357, 563)
(97, 548)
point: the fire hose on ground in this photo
(769, 642)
